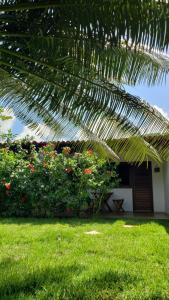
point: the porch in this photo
(144, 190)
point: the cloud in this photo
(27, 132)
(160, 109)
(45, 133)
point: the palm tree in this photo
(65, 63)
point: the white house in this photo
(144, 188)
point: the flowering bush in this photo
(45, 183)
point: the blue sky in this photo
(156, 95)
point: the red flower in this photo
(31, 167)
(8, 186)
(68, 170)
(87, 171)
(90, 152)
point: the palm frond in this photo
(64, 64)
(109, 20)
(104, 120)
(118, 64)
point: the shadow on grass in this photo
(47, 221)
(33, 282)
(63, 283)
(73, 222)
(135, 222)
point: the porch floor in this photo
(159, 216)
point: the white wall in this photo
(158, 189)
(123, 193)
(160, 182)
(166, 185)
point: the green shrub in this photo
(45, 183)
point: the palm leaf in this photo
(68, 72)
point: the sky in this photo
(157, 96)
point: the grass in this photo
(56, 259)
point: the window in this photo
(123, 169)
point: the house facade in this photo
(144, 188)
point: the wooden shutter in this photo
(142, 188)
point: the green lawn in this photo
(56, 259)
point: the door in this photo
(142, 188)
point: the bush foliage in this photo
(48, 184)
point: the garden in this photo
(78, 71)
(44, 183)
